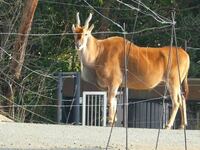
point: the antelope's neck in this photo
(89, 54)
(88, 60)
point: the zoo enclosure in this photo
(145, 107)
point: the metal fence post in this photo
(59, 93)
(77, 99)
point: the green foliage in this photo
(100, 2)
(166, 2)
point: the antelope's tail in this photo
(185, 87)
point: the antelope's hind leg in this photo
(174, 90)
(183, 112)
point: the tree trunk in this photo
(19, 49)
(21, 41)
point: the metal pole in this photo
(59, 95)
(77, 97)
(178, 62)
(125, 90)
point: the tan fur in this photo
(103, 65)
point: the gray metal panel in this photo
(77, 99)
(148, 113)
(143, 115)
(120, 115)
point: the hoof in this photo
(110, 124)
(168, 127)
(182, 127)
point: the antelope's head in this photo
(82, 33)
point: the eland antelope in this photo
(102, 64)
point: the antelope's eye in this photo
(86, 34)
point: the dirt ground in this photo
(5, 119)
(46, 136)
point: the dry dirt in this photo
(46, 136)
(5, 119)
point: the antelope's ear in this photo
(91, 28)
(73, 27)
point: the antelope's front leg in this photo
(112, 104)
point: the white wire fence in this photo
(142, 113)
(166, 23)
